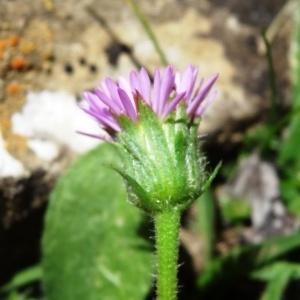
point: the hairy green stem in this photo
(167, 232)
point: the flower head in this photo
(155, 127)
(163, 96)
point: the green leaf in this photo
(234, 210)
(223, 272)
(16, 296)
(278, 275)
(289, 153)
(205, 223)
(271, 272)
(276, 287)
(93, 246)
(22, 278)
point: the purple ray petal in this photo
(145, 86)
(156, 90)
(108, 102)
(104, 88)
(187, 81)
(201, 109)
(113, 90)
(130, 110)
(201, 96)
(167, 84)
(113, 99)
(103, 137)
(93, 101)
(124, 85)
(104, 119)
(134, 82)
(172, 105)
(196, 92)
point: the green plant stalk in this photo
(167, 226)
(206, 215)
(148, 30)
(272, 80)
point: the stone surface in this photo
(70, 46)
(257, 182)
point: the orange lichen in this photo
(17, 63)
(3, 45)
(13, 40)
(13, 88)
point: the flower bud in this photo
(154, 126)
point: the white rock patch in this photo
(9, 166)
(51, 118)
(46, 150)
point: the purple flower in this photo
(162, 96)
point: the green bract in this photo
(162, 163)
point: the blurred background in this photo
(51, 51)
